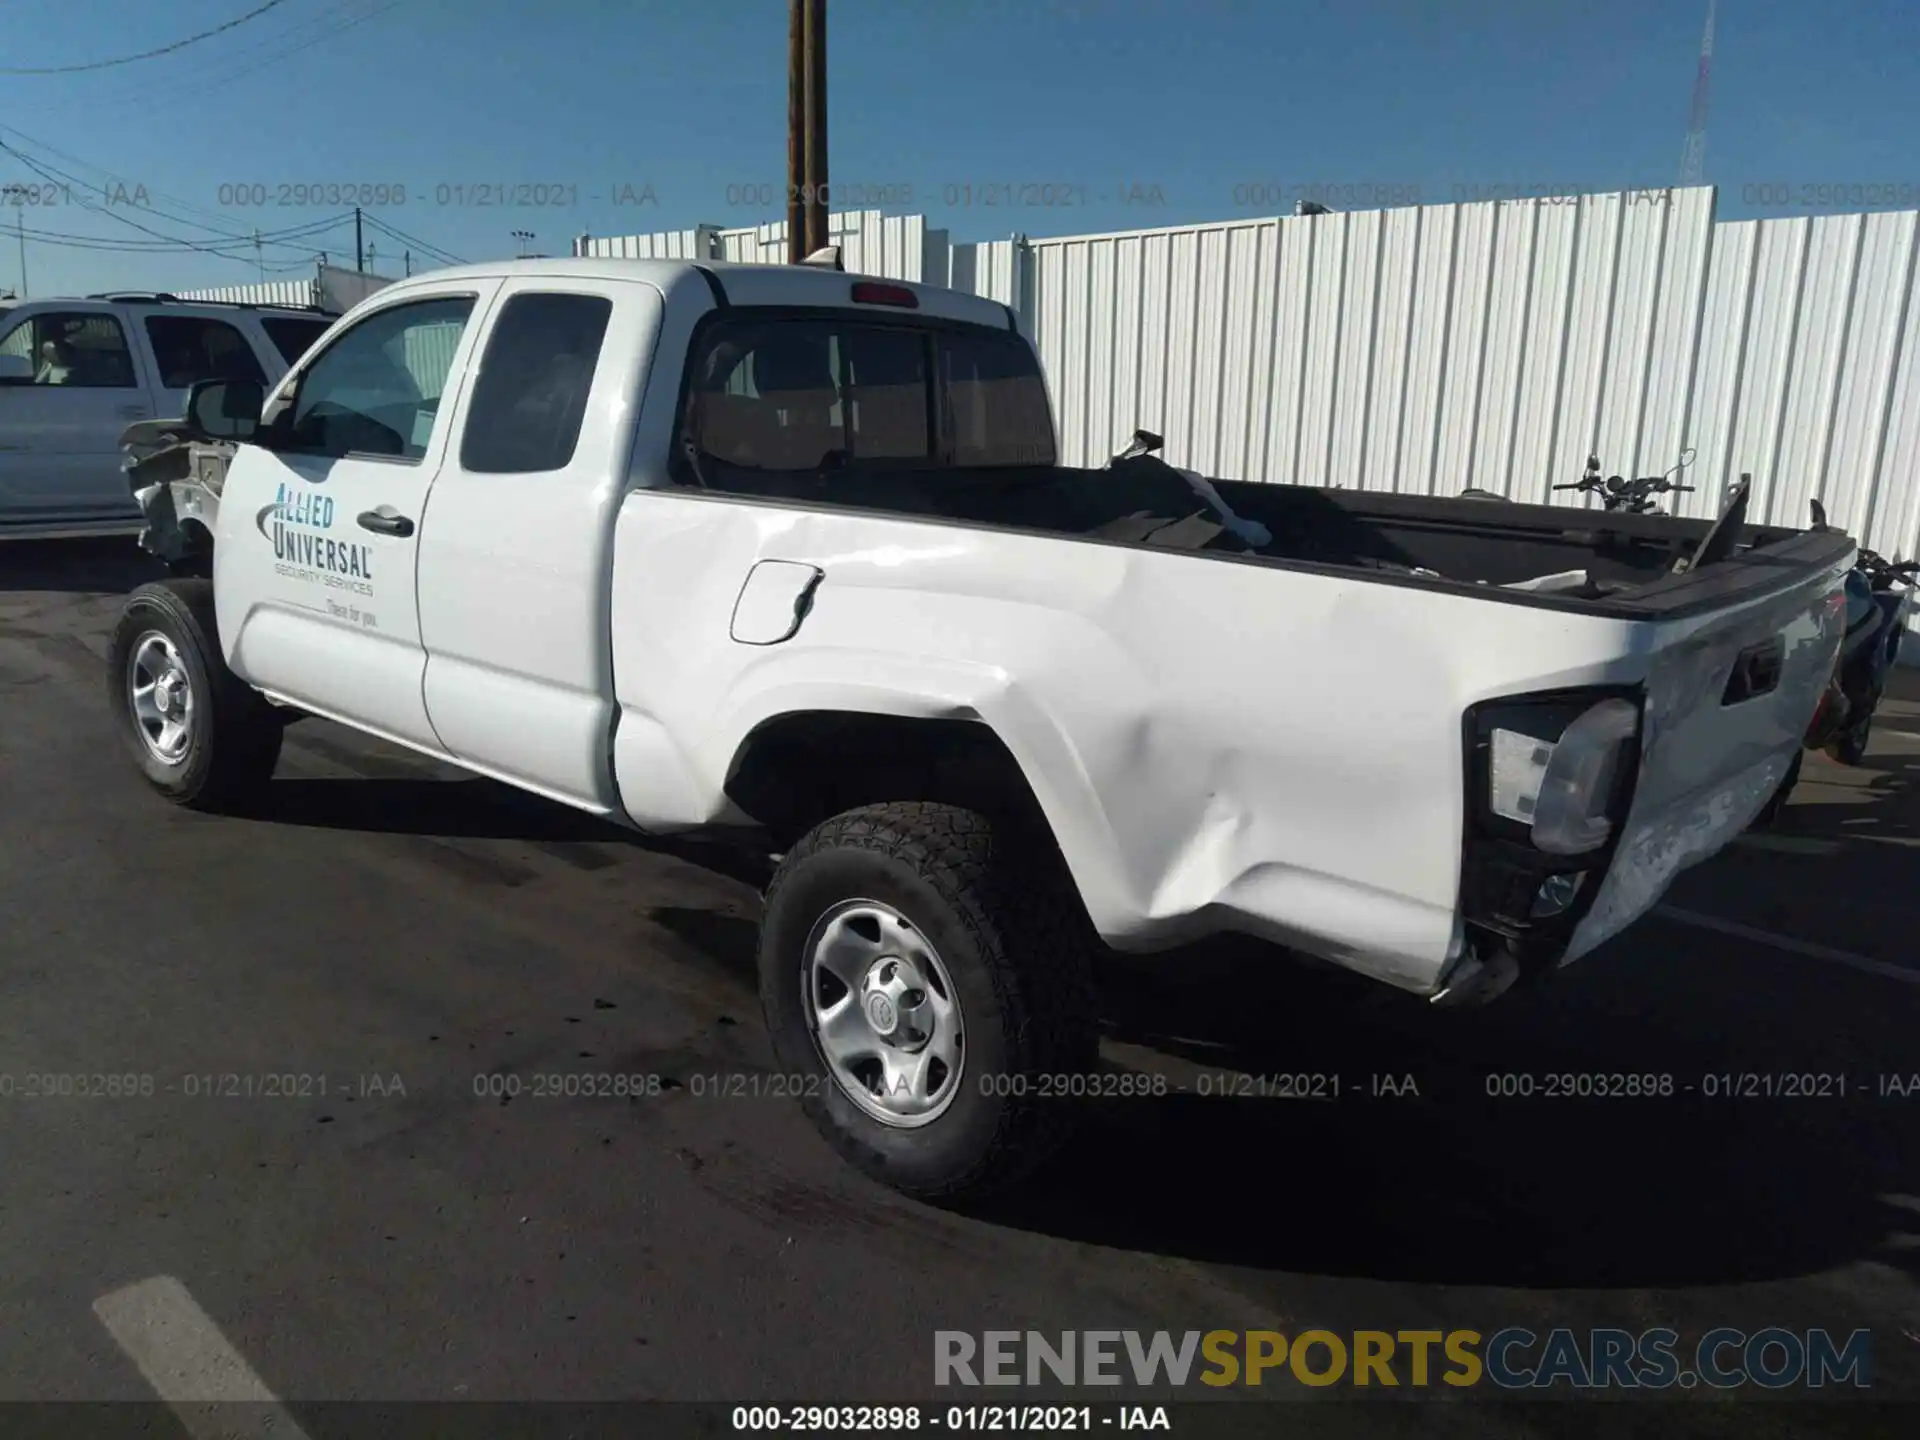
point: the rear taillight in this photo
(1550, 781)
(1561, 780)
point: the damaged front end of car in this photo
(176, 475)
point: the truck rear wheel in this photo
(930, 988)
(201, 736)
(1769, 815)
(1849, 747)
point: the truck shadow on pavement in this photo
(402, 801)
(1417, 1173)
(1420, 1164)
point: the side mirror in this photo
(15, 370)
(225, 409)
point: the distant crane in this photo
(1693, 160)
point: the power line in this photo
(172, 200)
(113, 214)
(144, 54)
(155, 247)
(433, 252)
(45, 168)
(156, 98)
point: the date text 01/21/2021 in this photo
(1221, 1084)
(230, 1085)
(480, 195)
(829, 1419)
(1726, 1085)
(953, 195)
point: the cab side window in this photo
(191, 348)
(376, 390)
(84, 350)
(531, 397)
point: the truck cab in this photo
(75, 373)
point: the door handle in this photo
(385, 524)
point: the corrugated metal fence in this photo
(294, 293)
(900, 247)
(1497, 344)
(331, 289)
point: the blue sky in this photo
(649, 115)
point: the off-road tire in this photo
(234, 743)
(995, 900)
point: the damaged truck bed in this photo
(778, 548)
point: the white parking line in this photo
(1905, 974)
(190, 1365)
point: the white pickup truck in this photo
(74, 373)
(787, 550)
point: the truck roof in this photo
(743, 284)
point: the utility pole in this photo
(18, 194)
(373, 261)
(408, 258)
(796, 129)
(816, 146)
(259, 260)
(359, 255)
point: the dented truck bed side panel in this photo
(1216, 746)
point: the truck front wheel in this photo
(202, 737)
(931, 987)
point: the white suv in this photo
(74, 374)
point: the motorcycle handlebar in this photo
(1654, 484)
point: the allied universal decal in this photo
(297, 525)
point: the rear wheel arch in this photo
(795, 769)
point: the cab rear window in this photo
(789, 395)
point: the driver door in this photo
(317, 546)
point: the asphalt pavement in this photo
(292, 1148)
